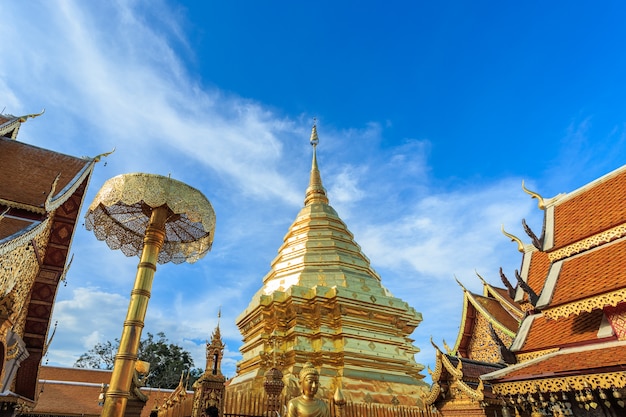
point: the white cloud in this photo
(109, 79)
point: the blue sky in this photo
(430, 115)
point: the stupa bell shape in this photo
(322, 302)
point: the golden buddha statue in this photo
(306, 405)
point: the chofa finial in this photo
(540, 202)
(520, 245)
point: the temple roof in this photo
(576, 326)
(596, 207)
(75, 391)
(495, 306)
(41, 193)
(606, 265)
(462, 373)
(544, 333)
(591, 366)
(28, 174)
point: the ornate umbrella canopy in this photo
(120, 214)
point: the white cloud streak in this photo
(109, 79)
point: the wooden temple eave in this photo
(592, 366)
(21, 206)
(605, 380)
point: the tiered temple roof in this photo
(493, 311)
(571, 345)
(488, 325)
(41, 193)
(322, 302)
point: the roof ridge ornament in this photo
(23, 119)
(532, 295)
(537, 241)
(520, 245)
(507, 284)
(540, 202)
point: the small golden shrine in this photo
(41, 193)
(209, 389)
(322, 302)
(571, 345)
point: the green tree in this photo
(168, 361)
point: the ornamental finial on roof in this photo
(540, 202)
(22, 119)
(459, 282)
(520, 245)
(315, 193)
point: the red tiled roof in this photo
(538, 271)
(567, 331)
(576, 362)
(75, 391)
(594, 210)
(504, 293)
(497, 312)
(28, 172)
(10, 226)
(593, 273)
(57, 373)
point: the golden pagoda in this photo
(322, 302)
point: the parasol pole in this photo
(119, 388)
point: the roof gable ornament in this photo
(507, 284)
(520, 245)
(532, 296)
(537, 241)
(540, 202)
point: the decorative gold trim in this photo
(476, 395)
(27, 207)
(13, 351)
(23, 119)
(70, 188)
(24, 238)
(432, 396)
(454, 371)
(459, 337)
(588, 243)
(579, 382)
(436, 374)
(525, 357)
(588, 304)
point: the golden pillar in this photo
(163, 220)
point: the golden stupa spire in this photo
(315, 193)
